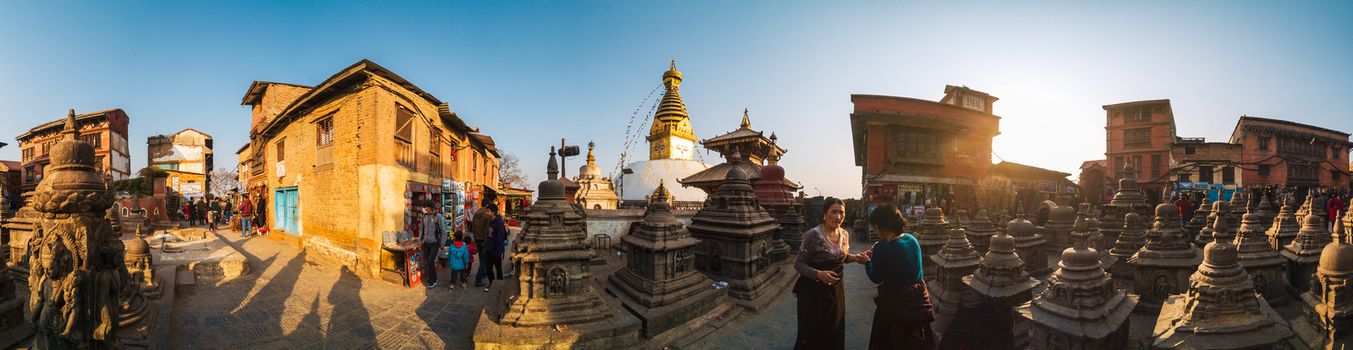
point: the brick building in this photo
(1140, 133)
(1199, 164)
(339, 164)
(1280, 152)
(186, 155)
(106, 130)
(912, 149)
(1011, 186)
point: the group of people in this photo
(903, 309)
(208, 212)
(1332, 200)
(487, 238)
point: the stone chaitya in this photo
(1285, 225)
(931, 233)
(1129, 197)
(1201, 216)
(735, 236)
(1095, 228)
(595, 191)
(959, 219)
(1220, 309)
(555, 303)
(1240, 204)
(73, 255)
(1081, 308)
(1219, 209)
(792, 227)
(1130, 239)
(948, 292)
(1265, 211)
(1260, 261)
(141, 266)
(1058, 228)
(979, 231)
(1029, 246)
(659, 275)
(1001, 279)
(1303, 254)
(1329, 302)
(1165, 262)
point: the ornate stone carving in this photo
(1220, 309)
(1165, 261)
(979, 231)
(1029, 246)
(1081, 308)
(1303, 253)
(956, 260)
(141, 266)
(1058, 228)
(1330, 299)
(1000, 278)
(1285, 225)
(931, 233)
(1202, 217)
(75, 260)
(1260, 261)
(1129, 197)
(735, 237)
(1130, 239)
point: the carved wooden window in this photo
(435, 150)
(404, 136)
(1155, 165)
(324, 141)
(1137, 138)
(93, 140)
(913, 145)
(281, 148)
(27, 154)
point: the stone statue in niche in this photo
(558, 282)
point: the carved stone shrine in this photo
(1081, 308)
(659, 283)
(1285, 225)
(1129, 197)
(736, 237)
(777, 196)
(1000, 278)
(1303, 254)
(1201, 218)
(1130, 239)
(1329, 302)
(1220, 309)
(948, 292)
(1029, 246)
(1058, 228)
(931, 233)
(1204, 236)
(1165, 262)
(1265, 267)
(980, 230)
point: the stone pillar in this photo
(1165, 263)
(1080, 308)
(1220, 309)
(76, 260)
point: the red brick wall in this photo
(975, 143)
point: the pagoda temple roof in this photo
(713, 176)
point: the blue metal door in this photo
(286, 214)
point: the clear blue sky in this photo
(532, 72)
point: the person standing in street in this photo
(903, 309)
(458, 259)
(246, 215)
(433, 229)
(492, 251)
(480, 229)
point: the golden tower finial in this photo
(746, 122)
(660, 194)
(672, 77)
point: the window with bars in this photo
(404, 136)
(435, 150)
(324, 141)
(1137, 138)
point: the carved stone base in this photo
(618, 332)
(663, 318)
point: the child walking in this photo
(458, 258)
(473, 250)
(211, 221)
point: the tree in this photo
(509, 173)
(223, 180)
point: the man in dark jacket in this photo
(491, 249)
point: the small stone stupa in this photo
(73, 256)
(979, 231)
(1285, 225)
(792, 227)
(736, 236)
(948, 292)
(1001, 279)
(554, 302)
(959, 219)
(1058, 228)
(1303, 254)
(1165, 263)
(1128, 198)
(931, 233)
(1220, 309)
(1204, 236)
(1201, 218)
(1265, 211)
(1330, 301)
(1029, 246)
(1260, 261)
(1130, 239)
(141, 266)
(595, 191)
(659, 283)
(1081, 308)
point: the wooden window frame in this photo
(324, 141)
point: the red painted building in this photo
(912, 149)
(1280, 152)
(106, 130)
(1140, 133)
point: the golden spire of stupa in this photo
(746, 122)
